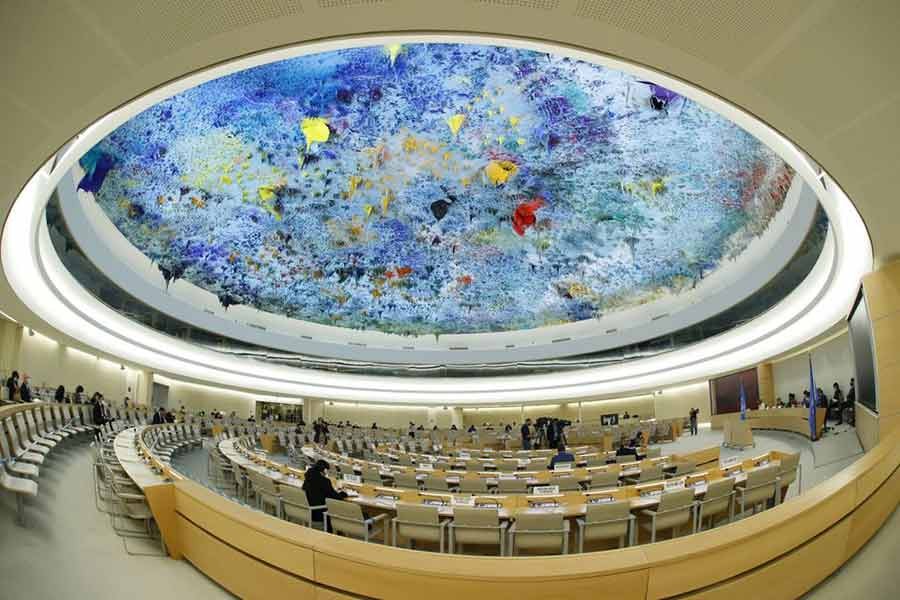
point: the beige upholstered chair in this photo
(676, 508)
(433, 483)
(371, 475)
(512, 486)
(654, 452)
(759, 487)
(596, 461)
(603, 479)
(20, 487)
(471, 485)
(566, 484)
(539, 531)
(606, 521)
(419, 522)
(787, 474)
(267, 493)
(682, 468)
(647, 474)
(507, 465)
(477, 527)
(295, 506)
(406, 480)
(718, 500)
(626, 458)
(347, 518)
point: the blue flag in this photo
(813, 399)
(743, 403)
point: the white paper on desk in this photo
(352, 479)
(524, 462)
(462, 500)
(426, 466)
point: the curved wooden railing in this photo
(785, 550)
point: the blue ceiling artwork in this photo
(435, 188)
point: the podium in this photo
(738, 434)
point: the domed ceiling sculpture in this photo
(435, 188)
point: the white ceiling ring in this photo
(820, 302)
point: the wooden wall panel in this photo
(284, 545)
(237, 572)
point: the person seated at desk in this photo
(318, 487)
(629, 449)
(561, 457)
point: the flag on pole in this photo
(743, 403)
(813, 399)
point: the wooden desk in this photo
(256, 555)
(795, 420)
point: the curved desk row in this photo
(785, 550)
(795, 420)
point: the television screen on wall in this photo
(863, 354)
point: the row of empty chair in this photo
(30, 434)
(440, 520)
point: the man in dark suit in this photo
(561, 457)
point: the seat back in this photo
(566, 484)
(38, 418)
(371, 475)
(25, 433)
(654, 452)
(604, 479)
(435, 483)
(346, 518)
(473, 485)
(295, 504)
(760, 485)
(787, 470)
(685, 467)
(419, 522)
(542, 531)
(626, 458)
(653, 473)
(405, 480)
(476, 526)
(718, 497)
(675, 508)
(512, 486)
(607, 520)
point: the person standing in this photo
(837, 403)
(12, 386)
(693, 418)
(25, 389)
(526, 435)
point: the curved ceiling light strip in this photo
(823, 299)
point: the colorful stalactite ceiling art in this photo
(435, 188)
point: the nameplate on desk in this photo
(507, 476)
(546, 490)
(600, 500)
(434, 502)
(524, 462)
(465, 455)
(674, 484)
(426, 466)
(352, 479)
(562, 467)
(463, 500)
(544, 505)
(730, 462)
(387, 500)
